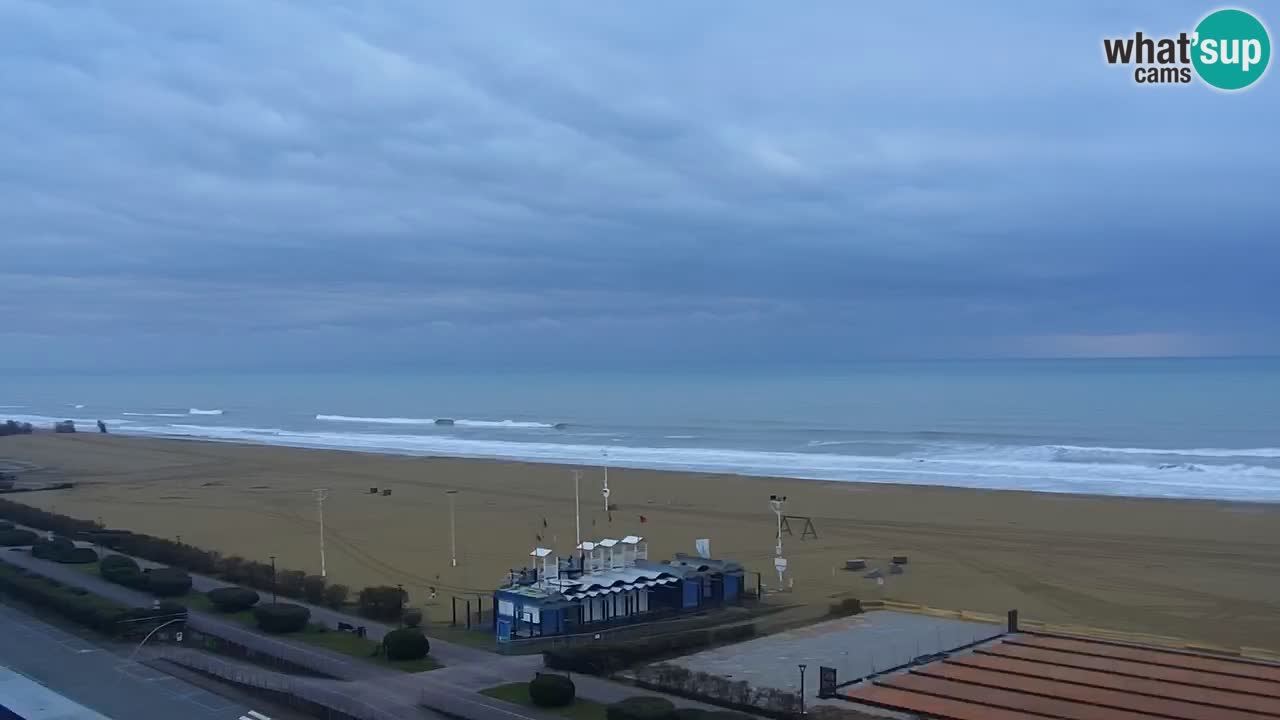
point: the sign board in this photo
(826, 682)
(780, 564)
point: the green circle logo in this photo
(1232, 49)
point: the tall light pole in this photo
(273, 579)
(605, 492)
(453, 529)
(322, 494)
(777, 502)
(577, 512)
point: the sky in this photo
(319, 184)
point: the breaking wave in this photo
(198, 411)
(434, 421)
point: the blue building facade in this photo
(607, 583)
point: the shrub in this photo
(608, 658)
(168, 582)
(406, 644)
(232, 599)
(15, 536)
(335, 595)
(313, 589)
(289, 583)
(94, 612)
(135, 579)
(113, 564)
(382, 602)
(645, 707)
(412, 618)
(551, 691)
(281, 617)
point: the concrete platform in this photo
(856, 646)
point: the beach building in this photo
(608, 582)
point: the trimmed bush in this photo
(94, 612)
(412, 618)
(313, 589)
(232, 599)
(406, 644)
(80, 556)
(382, 602)
(110, 563)
(281, 617)
(14, 537)
(645, 707)
(335, 595)
(551, 691)
(608, 658)
(168, 582)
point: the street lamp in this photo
(400, 587)
(273, 578)
(802, 667)
(453, 529)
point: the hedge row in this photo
(281, 617)
(380, 602)
(98, 613)
(62, 550)
(14, 537)
(232, 599)
(650, 707)
(608, 658)
(552, 690)
(162, 582)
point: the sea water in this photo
(1153, 428)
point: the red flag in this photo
(644, 519)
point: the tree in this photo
(168, 582)
(313, 589)
(289, 582)
(382, 602)
(335, 595)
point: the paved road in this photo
(100, 680)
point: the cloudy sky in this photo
(260, 183)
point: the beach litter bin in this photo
(386, 492)
(373, 491)
(899, 559)
(858, 564)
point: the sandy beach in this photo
(1205, 571)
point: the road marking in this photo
(255, 715)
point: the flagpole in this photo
(577, 512)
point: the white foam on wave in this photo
(432, 421)
(1179, 452)
(680, 437)
(78, 407)
(377, 420)
(995, 470)
(198, 411)
(173, 415)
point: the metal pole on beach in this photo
(321, 495)
(577, 513)
(453, 537)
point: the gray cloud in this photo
(270, 182)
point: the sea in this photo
(1168, 428)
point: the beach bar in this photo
(606, 583)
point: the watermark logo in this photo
(1229, 49)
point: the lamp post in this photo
(273, 579)
(777, 502)
(802, 667)
(453, 529)
(400, 587)
(605, 491)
